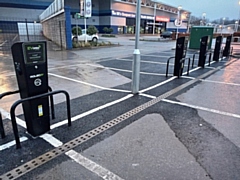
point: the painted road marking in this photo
(211, 81)
(12, 143)
(158, 56)
(203, 108)
(148, 96)
(123, 70)
(145, 61)
(218, 82)
(195, 107)
(7, 115)
(92, 166)
(90, 111)
(88, 84)
(83, 161)
(157, 85)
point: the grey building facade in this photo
(58, 17)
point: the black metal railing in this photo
(182, 61)
(168, 65)
(193, 59)
(209, 54)
(12, 111)
(2, 131)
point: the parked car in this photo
(166, 34)
(93, 37)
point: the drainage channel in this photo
(40, 160)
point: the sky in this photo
(214, 9)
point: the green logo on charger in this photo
(29, 48)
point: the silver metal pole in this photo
(178, 23)
(154, 18)
(85, 26)
(77, 26)
(238, 17)
(136, 53)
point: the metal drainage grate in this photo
(29, 166)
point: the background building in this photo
(55, 19)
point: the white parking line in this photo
(195, 107)
(218, 82)
(211, 81)
(158, 56)
(90, 111)
(7, 115)
(12, 143)
(148, 96)
(157, 85)
(145, 61)
(88, 84)
(83, 161)
(203, 108)
(92, 166)
(123, 70)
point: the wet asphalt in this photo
(191, 133)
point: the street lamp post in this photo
(178, 19)
(236, 26)
(222, 25)
(136, 53)
(238, 16)
(204, 19)
(154, 21)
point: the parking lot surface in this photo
(175, 128)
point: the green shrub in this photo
(76, 30)
(92, 30)
(105, 30)
(110, 30)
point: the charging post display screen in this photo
(34, 52)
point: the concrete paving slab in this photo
(228, 126)
(146, 149)
(63, 172)
(216, 96)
